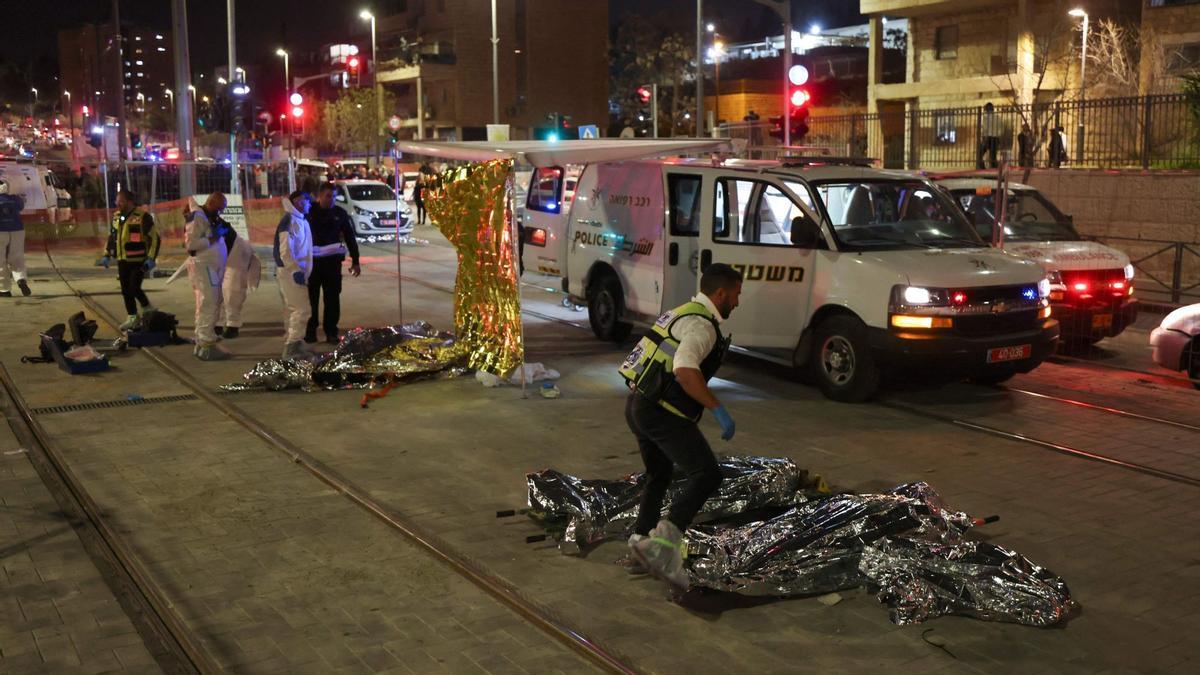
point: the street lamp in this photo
(368, 16)
(287, 90)
(171, 95)
(1079, 13)
(33, 103)
(717, 50)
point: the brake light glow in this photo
(1080, 287)
(910, 321)
(958, 298)
(537, 237)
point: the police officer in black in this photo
(332, 237)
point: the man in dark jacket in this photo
(333, 237)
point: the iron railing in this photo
(1158, 131)
(1168, 271)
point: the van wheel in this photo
(605, 306)
(842, 363)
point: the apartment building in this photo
(436, 57)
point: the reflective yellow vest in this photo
(650, 367)
(135, 239)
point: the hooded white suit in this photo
(207, 272)
(243, 271)
(293, 253)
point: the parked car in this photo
(372, 208)
(1176, 342)
(46, 199)
(1091, 285)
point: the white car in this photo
(1176, 342)
(372, 208)
(46, 200)
(1091, 285)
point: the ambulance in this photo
(1091, 284)
(850, 271)
(46, 200)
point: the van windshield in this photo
(894, 214)
(1029, 216)
(371, 193)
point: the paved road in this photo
(280, 573)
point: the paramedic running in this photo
(133, 241)
(668, 373)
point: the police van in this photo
(849, 270)
(1091, 284)
(46, 199)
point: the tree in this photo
(644, 53)
(348, 123)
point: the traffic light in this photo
(218, 114)
(776, 130)
(798, 100)
(644, 93)
(135, 139)
(239, 109)
(352, 69)
(96, 136)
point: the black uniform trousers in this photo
(667, 441)
(326, 276)
(131, 275)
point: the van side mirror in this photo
(339, 197)
(806, 233)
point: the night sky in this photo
(29, 47)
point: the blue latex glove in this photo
(104, 262)
(298, 277)
(726, 422)
(149, 264)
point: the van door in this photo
(684, 201)
(543, 230)
(750, 229)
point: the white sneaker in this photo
(143, 311)
(130, 322)
(662, 554)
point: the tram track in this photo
(536, 614)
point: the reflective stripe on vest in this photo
(133, 242)
(654, 355)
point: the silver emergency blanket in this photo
(364, 358)
(581, 513)
(906, 546)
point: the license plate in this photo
(388, 222)
(1101, 321)
(1015, 353)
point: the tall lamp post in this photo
(32, 101)
(1079, 131)
(367, 16)
(715, 52)
(287, 95)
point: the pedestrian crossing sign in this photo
(589, 131)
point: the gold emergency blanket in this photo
(471, 210)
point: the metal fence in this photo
(1168, 272)
(1161, 131)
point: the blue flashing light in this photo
(1029, 293)
(553, 137)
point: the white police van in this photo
(849, 270)
(46, 200)
(1091, 287)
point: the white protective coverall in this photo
(243, 271)
(207, 272)
(293, 253)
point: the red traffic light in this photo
(85, 110)
(644, 94)
(799, 98)
(297, 111)
(353, 63)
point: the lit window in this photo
(140, 63)
(158, 37)
(162, 49)
(138, 38)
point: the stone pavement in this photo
(271, 563)
(56, 612)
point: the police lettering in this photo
(616, 242)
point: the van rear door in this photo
(750, 229)
(544, 226)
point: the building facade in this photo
(88, 69)
(436, 57)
